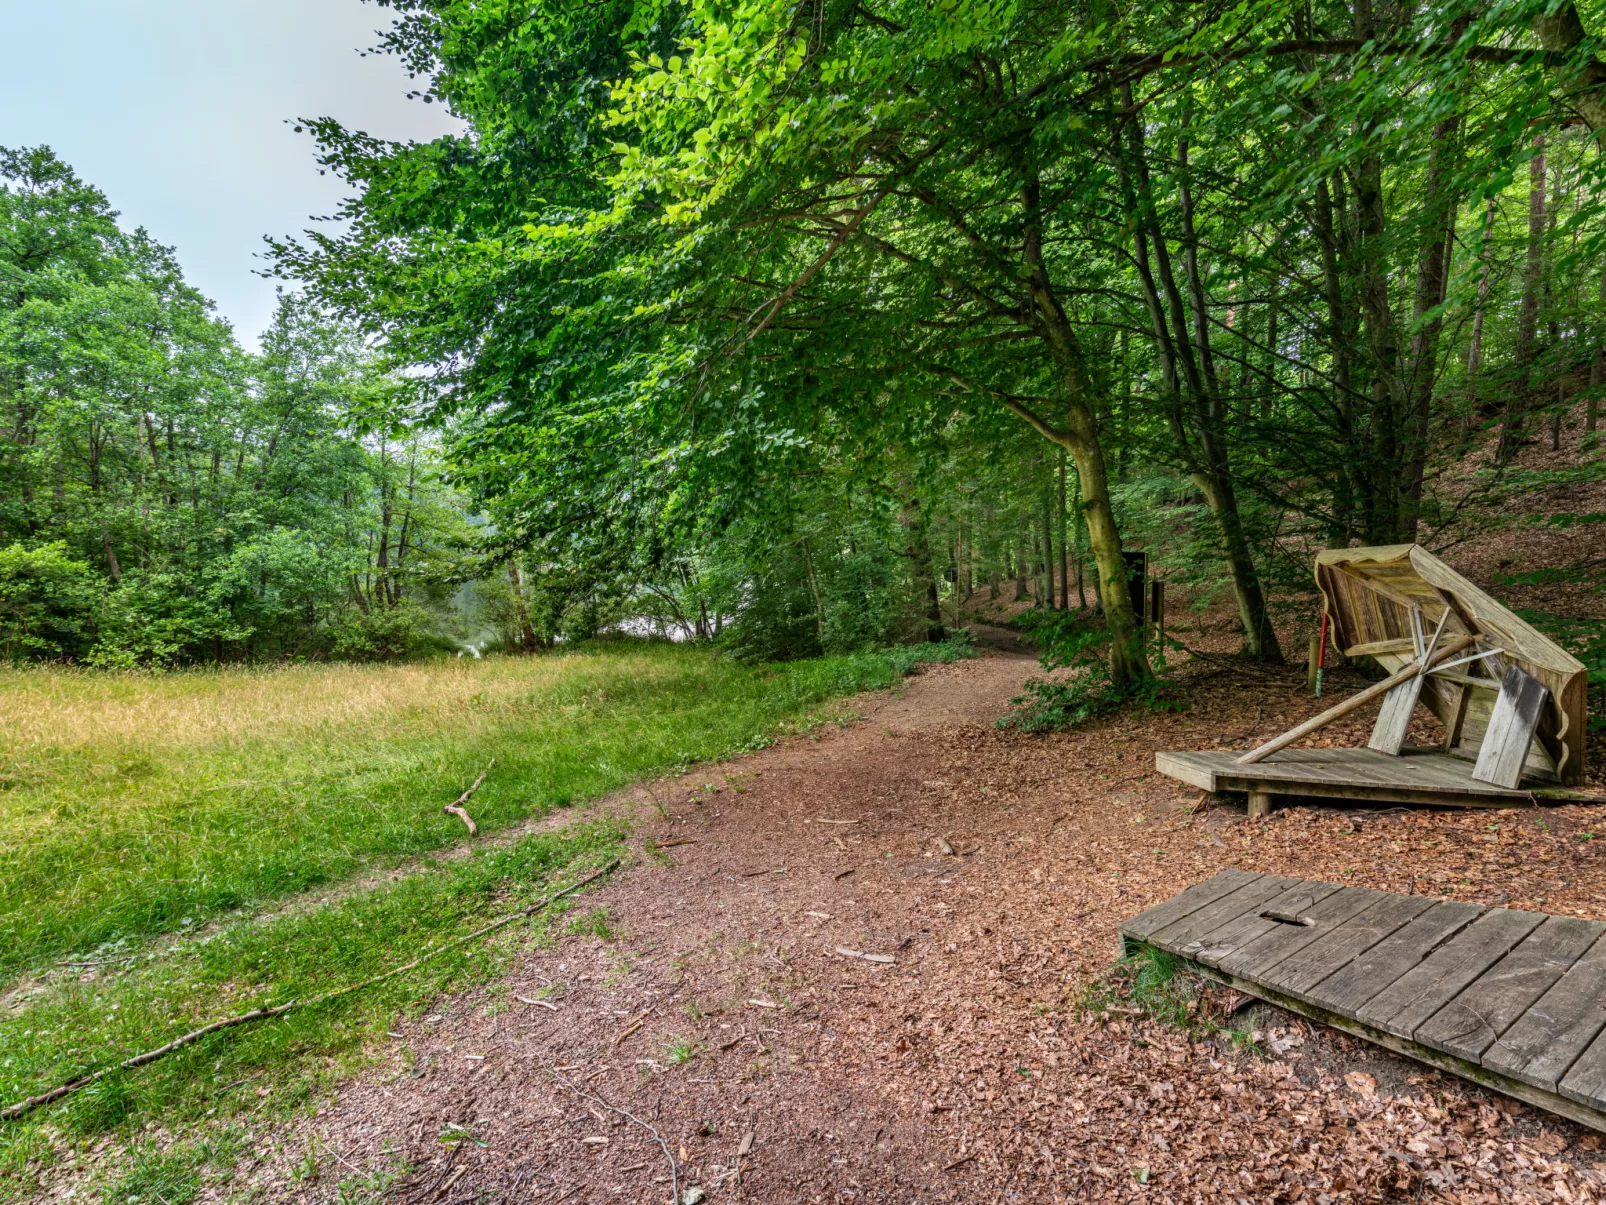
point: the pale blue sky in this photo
(176, 110)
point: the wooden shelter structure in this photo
(1512, 701)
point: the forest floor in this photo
(726, 1009)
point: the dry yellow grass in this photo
(137, 804)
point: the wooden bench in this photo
(1514, 1001)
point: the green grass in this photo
(133, 808)
(1168, 989)
(279, 1064)
(136, 805)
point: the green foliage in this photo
(1068, 643)
(252, 963)
(204, 504)
(47, 602)
(1169, 990)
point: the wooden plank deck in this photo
(1415, 776)
(1514, 1001)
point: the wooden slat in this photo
(1210, 947)
(1512, 1000)
(1394, 719)
(1469, 1024)
(1407, 1002)
(1350, 988)
(1333, 950)
(1373, 647)
(1255, 959)
(1543, 1044)
(1178, 906)
(1517, 711)
(1585, 1082)
(1248, 898)
(1435, 777)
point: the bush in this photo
(382, 634)
(47, 602)
(1069, 643)
(154, 620)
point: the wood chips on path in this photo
(748, 1012)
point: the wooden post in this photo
(1259, 803)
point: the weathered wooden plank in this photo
(1469, 1024)
(1351, 773)
(1407, 1002)
(1517, 711)
(1402, 644)
(1585, 1081)
(1350, 987)
(1190, 900)
(1543, 1044)
(1190, 768)
(1304, 969)
(1255, 958)
(1211, 947)
(1248, 898)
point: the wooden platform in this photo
(1416, 776)
(1514, 1001)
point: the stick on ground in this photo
(23, 1107)
(457, 809)
(674, 1171)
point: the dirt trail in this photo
(730, 1013)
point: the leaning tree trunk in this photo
(1187, 365)
(1079, 435)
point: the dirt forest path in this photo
(982, 872)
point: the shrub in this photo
(1069, 643)
(47, 602)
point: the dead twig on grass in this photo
(23, 1107)
(457, 809)
(674, 1170)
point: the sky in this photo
(177, 110)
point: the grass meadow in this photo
(146, 820)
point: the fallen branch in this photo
(674, 1171)
(23, 1107)
(457, 809)
(847, 953)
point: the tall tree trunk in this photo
(814, 590)
(1078, 434)
(1475, 343)
(528, 641)
(1187, 361)
(1065, 552)
(1597, 374)
(918, 549)
(1432, 269)
(1519, 400)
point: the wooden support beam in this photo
(1402, 644)
(1338, 712)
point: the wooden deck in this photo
(1416, 776)
(1514, 1001)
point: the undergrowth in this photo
(1167, 989)
(1071, 642)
